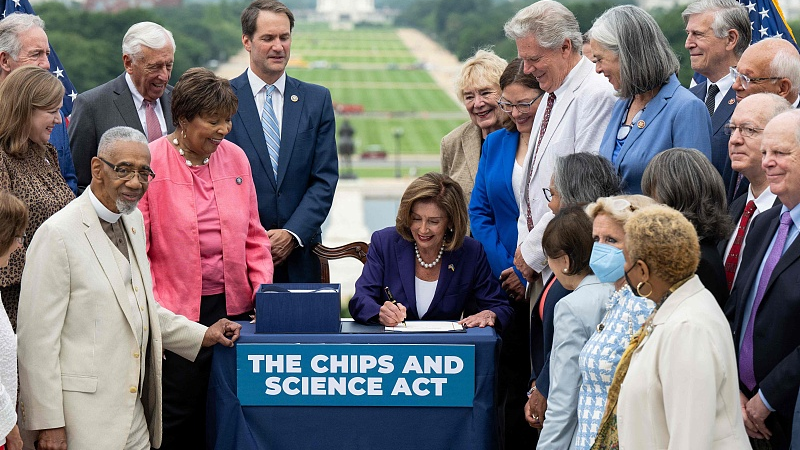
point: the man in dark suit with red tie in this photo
(717, 33)
(765, 300)
(746, 130)
(287, 130)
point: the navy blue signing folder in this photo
(298, 308)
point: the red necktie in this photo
(551, 99)
(732, 261)
(153, 127)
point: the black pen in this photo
(391, 299)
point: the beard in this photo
(125, 207)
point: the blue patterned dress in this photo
(625, 314)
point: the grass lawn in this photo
(389, 172)
(420, 135)
(360, 39)
(356, 76)
(370, 67)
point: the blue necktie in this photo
(272, 132)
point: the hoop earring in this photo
(639, 289)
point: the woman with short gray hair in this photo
(579, 178)
(654, 111)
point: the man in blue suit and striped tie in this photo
(287, 129)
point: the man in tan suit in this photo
(90, 333)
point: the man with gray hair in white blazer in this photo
(571, 118)
(90, 332)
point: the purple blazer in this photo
(465, 278)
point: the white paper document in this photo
(427, 326)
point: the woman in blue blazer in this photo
(654, 112)
(494, 206)
(493, 214)
(433, 270)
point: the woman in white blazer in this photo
(567, 242)
(681, 390)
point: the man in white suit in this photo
(571, 118)
(90, 333)
(574, 114)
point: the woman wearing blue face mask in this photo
(624, 312)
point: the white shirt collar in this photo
(257, 84)
(723, 84)
(101, 210)
(764, 201)
(138, 99)
(570, 76)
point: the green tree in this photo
(89, 44)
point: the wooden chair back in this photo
(357, 250)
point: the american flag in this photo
(56, 68)
(766, 20)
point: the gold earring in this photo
(639, 289)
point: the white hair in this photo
(549, 22)
(118, 134)
(12, 27)
(147, 34)
(786, 64)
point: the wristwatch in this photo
(530, 391)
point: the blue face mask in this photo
(607, 262)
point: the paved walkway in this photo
(442, 65)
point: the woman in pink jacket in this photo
(208, 251)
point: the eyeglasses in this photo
(745, 80)
(745, 131)
(21, 239)
(548, 194)
(126, 173)
(522, 107)
(625, 128)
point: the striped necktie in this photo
(711, 97)
(151, 119)
(272, 132)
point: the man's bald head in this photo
(771, 65)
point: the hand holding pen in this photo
(392, 312)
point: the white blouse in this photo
(425, 291)
(8, 376)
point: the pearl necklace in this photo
(180, 150)
(423, 263)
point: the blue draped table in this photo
(236, 427)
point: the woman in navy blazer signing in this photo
(654, 111)
(433, 270)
